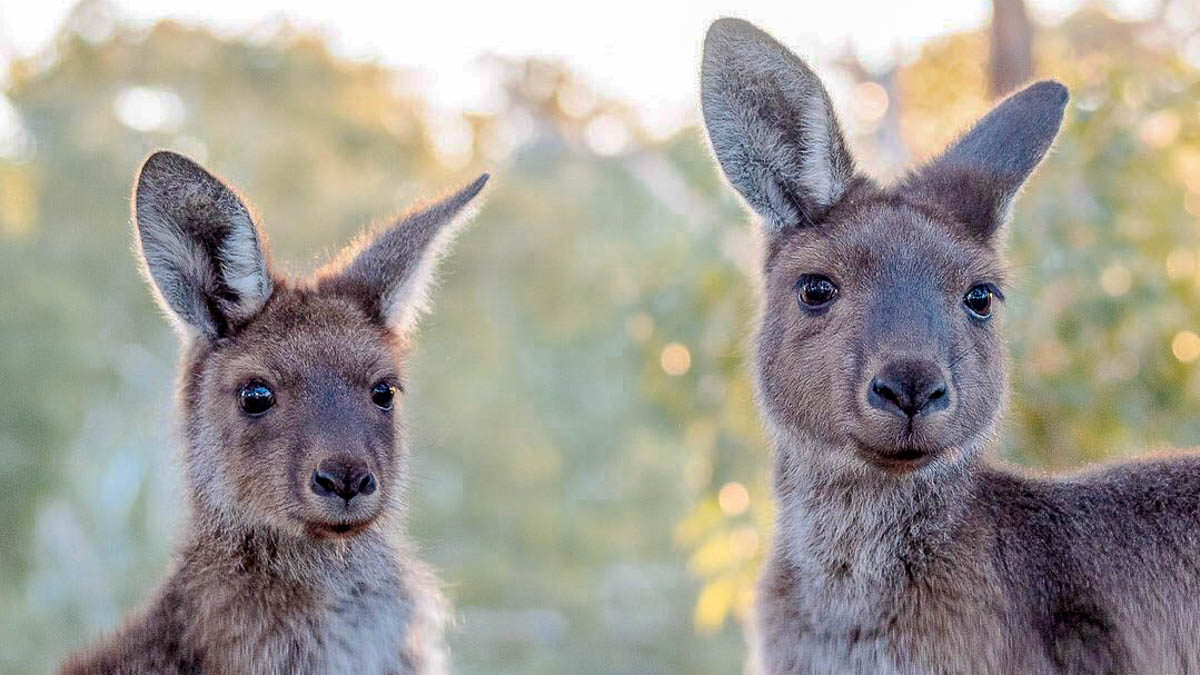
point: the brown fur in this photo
(899, 547)
(272, 575)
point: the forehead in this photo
(301, 335)
(886, 241)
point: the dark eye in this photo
(382, 394)
(815, 291)
(979, 301)
(256, 398)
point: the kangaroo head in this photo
(880, 328)
(289, 390)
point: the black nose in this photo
(343, 477)
(909, 388)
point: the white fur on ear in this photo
(409, 300)
(818, 171)
(398, 265)
(772, 126)
(200, 246)
(242, 263)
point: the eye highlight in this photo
(978, 300)
(256, 398)
(382, 395)
(815, 291)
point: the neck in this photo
(838, 516)
(276, 598)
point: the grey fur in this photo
(899, 546)
(978, 176)
(199, 244)
(771, 125)
(398, 264)
(273, 574)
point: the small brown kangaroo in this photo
(880, 371)
(293, 558)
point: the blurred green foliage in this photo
(589, 470)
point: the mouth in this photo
(336, 530)
(896, 460)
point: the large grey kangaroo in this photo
(293, 558)
(880, 369)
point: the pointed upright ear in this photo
(772, 127)
(395, 268)
(980, 174)
(200, 246)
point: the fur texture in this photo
(274, 573)
(788, 161)
(899, 547)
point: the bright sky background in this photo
(643, 51)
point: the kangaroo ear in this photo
(978, 176)
(201, 248)
(396, 267)
(772, 127)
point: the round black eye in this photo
(979, 301)
(815, 291)
(382, 395)
(256, 398)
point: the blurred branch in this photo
(1011, 47)
(888, 147)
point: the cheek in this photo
(213, 461)
(804, 366)
(256, 461)
(260, 453)
(979, 371)
(388, 446)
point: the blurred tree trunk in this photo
(1012, 46)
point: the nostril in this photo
(938, 399)
(367, 485)
(909, 389)
(884, 391)
(343, 477)
(324, 483)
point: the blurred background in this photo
(589, 473)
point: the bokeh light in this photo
(1186, 346)
(1116, 279)
(733, 498)
(675, 359)
(1181, 264)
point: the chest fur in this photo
(349, 621)
(862, 585)
(833, 621)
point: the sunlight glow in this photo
(1116, 280)
(1160, 129)
(733, 498)
(15, 142)
(149, 109)
(1181, 264)
(453, 139)
(675, 359)
(644, 53)
(607, 135)
(1186, 346)
(870, 101)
